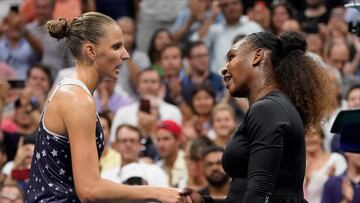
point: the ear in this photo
(258, 56)
(90, 50)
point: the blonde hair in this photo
(222, 107)
(87, 27)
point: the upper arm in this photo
(79, 115)
(266, 129)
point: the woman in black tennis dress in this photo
(287, 92)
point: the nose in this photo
(224, 70)
(125, 55)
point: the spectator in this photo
(190, 19)
(11, 193)
(199, 72)
(260, 14)
(320, 164)
(18, 47)
(219, 37)
(128, 144)
(55, 55)
(3, 160)
(159, 39)
(315, 43)
(154, 14)
(110, 158)
(224, 124)
(108, 101)
(344, 188)
(194, 162)
(291, 25)
(39, 82)
(315, 13)
(149, 87)
(218, 180)
(280, 12)
(167, 142)
(138, 59)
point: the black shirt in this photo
(266, 156)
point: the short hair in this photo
(351, 88)
(223, 107)
(211, 149)
(171, 45)
(190, 46)
(150, 69)
(44, 68)
(105, 115)
(130, 127)
(197, 147)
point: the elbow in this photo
(87, 194)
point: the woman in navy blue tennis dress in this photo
(65, 166)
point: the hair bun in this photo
(293, 41)
(58, 28)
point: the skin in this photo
(224, 123)
(199, 60)
(128, 145)
(38, 80)
(63, 115)
(353, 100)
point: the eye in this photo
(230, 57)
(117, 46)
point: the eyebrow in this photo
(230, 53)
(118, 43)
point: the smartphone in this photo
(14, 84)
(14, 8)
(145, 105)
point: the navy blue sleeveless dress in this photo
(51, 178)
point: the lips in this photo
(227, 78)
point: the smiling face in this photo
(110, 52)
(238, 71)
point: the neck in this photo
(127, 161)
(219, 192)
(13, 42)
(354, 172)
(197, 182)
(169, 162)
(221, 140)
(199, 76)
(233, 22)
(89, 76)
(316, 154)
(257, 93)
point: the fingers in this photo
(188, 199)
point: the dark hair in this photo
(197, 147)
(171, 45)
(211, 149)
(130, 127)
(154, 54)
(105, 115)
(298, 75)
(351, 88)
(141, 72)
(289, 9)
(44, 68)
(202, 87)
(87, 27)
(190, 46)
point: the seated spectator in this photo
(291, 25)
(199, 72)
(218, 180)
(224, 124)
(167, 141)
(128, 144)
(194, 162)
(108, 100)
(345, 187)
(39, 82)
(320, 164)
(260, 14)
(159, 39)
(280, 12)
(110, 157)
(138, 60)
(11, 193)
(315, 43)
(149, 87)
(18, 170)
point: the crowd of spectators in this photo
(168, 117)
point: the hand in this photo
(331, 170)
(146, 122)
(175, 87)
(195, 196)
(215, 9)
(172, 195)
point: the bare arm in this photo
(215, 10)
(85, 164)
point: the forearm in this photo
(203, 31)
(133, 71)
(34, 43)
(178, 35)
(106, 191)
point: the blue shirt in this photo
(333, 190)
(20, 58)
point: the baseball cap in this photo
(170, 126)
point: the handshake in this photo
(185, 195)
